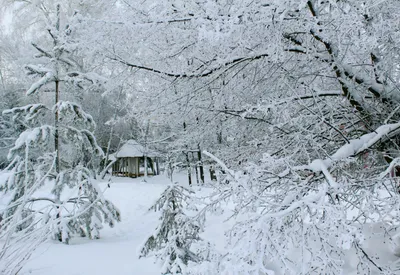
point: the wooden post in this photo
(138, 167)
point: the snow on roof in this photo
(112, 157)
(133, 149)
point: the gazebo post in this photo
(138, 167)
(157, 166)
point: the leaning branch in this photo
(357, 146)
(220, 163)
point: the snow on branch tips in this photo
(49, 77)
(39, 136)
(67, 109)
(27, 113)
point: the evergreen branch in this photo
(42, 51)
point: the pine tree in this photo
(57, 148)
(172, 239)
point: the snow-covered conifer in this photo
(50, 181)
(171, 241)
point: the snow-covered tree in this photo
(172, 240)
(50, 186)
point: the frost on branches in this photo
(308, 219)
(171, 241)
(56, 152)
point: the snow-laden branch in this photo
(220, 163)
(66, 108)
(29, 112)
(356, 146)
(190, 75)
(313, 95)
(42, 51)
(47, 78)
(90, 77)
(32, 137)
(37, 70)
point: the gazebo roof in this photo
(112, 157)
(133, 149)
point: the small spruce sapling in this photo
(173, 237)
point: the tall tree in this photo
(50, 179)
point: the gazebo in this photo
(129, 160)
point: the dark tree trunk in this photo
(56, 136)
(201, 168)
(189, 168)
(157, 167)
(187, 159)
(213, 176)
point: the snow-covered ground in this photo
(116, 251)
